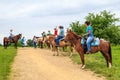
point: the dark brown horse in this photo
(62, 43)
(15, 39)
(104, 47)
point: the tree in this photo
(104, 26)
(101, 21)
(78, 28)
(29, 42)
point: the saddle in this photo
(95, 42)
(11, 39)
(62, 39)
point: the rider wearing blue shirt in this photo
(89, 33)
(60, 35)
(22, 41)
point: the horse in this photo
(51, 40)
(43, 40)
(40, 42)
(104, 47)
(15, 39)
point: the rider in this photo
(55, 32)
(34, 42)
(44, 35)
(89, 34)
(49, 33)
(22, 41)
(11, 35)
(60, 35)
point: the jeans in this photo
(34, 44)
(89, 40)
(10, 37)
(57, 39)
(22, 44)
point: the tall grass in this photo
(6, 59)
(97, 63)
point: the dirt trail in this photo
(39, 64)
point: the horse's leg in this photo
(110, 56)
(41, 45)
(107, 58)
(57, 51)
(82, 59)
(53, 49)
(109, 62)
(71, 51)
(15, 45)
(63, 48)
(6, 44)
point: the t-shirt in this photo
(56, 32)
(91, 30)
(62, 33)
(35, 40)
(44, 35)
(10, 33)
(22, 40)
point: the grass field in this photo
(97, 63)
(6, 59)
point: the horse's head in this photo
(68, 35)
(19, 36)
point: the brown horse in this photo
(40, 42)
(43, 41)
(62, 43)
(104, 47)
(6, 40)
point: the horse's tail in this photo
(110, 54)
(3, 40)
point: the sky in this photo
(32, 17)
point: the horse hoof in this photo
(83, 66)
(109, 65)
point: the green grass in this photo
(6, 59)
(97, 63)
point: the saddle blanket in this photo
(95, 42)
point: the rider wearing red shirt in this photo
(55, 32)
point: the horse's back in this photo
(104, 44)
(103, 41)
(5, 39)
(39, 39)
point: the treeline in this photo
(104, 26)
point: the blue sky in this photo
(32, 17)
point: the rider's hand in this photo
(84, 35)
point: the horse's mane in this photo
(18, 35)
(74, 34)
